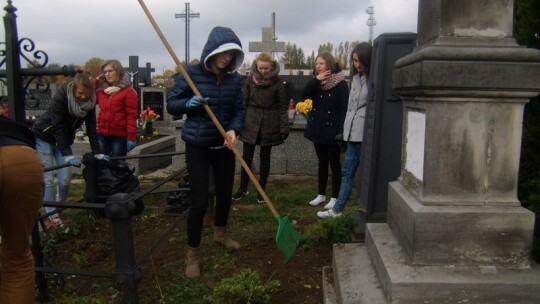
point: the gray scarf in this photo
(79, 108)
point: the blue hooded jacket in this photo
(225, 93)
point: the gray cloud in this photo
(73, 31)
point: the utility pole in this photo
(187, 15)
(371, 22)
(274, 37)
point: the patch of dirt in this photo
(300, 278)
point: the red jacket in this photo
(118, 113)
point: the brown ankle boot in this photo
(220, 236)
(192, 262)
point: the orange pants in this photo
(21, 196)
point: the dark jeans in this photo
(113, 145)
(264, 170)
(328, 154)
(199, 161)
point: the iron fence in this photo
(29, 88)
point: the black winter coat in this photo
(57, 127)
(327, 115)
(266, 116)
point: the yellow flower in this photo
(304, 107)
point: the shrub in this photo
(331, 230)
(245, 287)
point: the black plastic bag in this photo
(111, 178)
(179, 201)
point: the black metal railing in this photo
(119, 209)
(18, 80)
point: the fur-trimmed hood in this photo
(223, 39)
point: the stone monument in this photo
(456, 232)
(269, 41)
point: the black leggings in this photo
(264, 170)
(199, 161)
(328, 154)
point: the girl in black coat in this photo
(329, 93)
(267, 123)
(73, 104)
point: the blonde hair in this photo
(266, 58)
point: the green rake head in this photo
(287, 238)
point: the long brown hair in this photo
(117, 66)
(363, 51)
(329, 59)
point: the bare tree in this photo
(327, 47)
(293, 57)
(93, 65)
(310, 61)
(343, 53)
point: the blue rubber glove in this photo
(131, 145)
(196, 101)
(102, 157)
(73, 161)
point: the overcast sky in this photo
(72, 31)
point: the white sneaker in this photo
(330, 204)
(328, 213)
(318, 200)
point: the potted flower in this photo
(304, 107)
(291, 111)
(148, 116)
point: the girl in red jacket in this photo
(118, 111)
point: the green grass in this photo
(85, 243)
(84, 239)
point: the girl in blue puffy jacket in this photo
(220, 86)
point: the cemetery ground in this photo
(85, 243)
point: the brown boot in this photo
(220, 236)
(192, 262)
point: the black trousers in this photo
(200, 161)
(264, 170)
(328, 154)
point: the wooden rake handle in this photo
(209, 111)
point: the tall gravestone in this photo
(381, 149)
(456, 232)
(155, 98)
